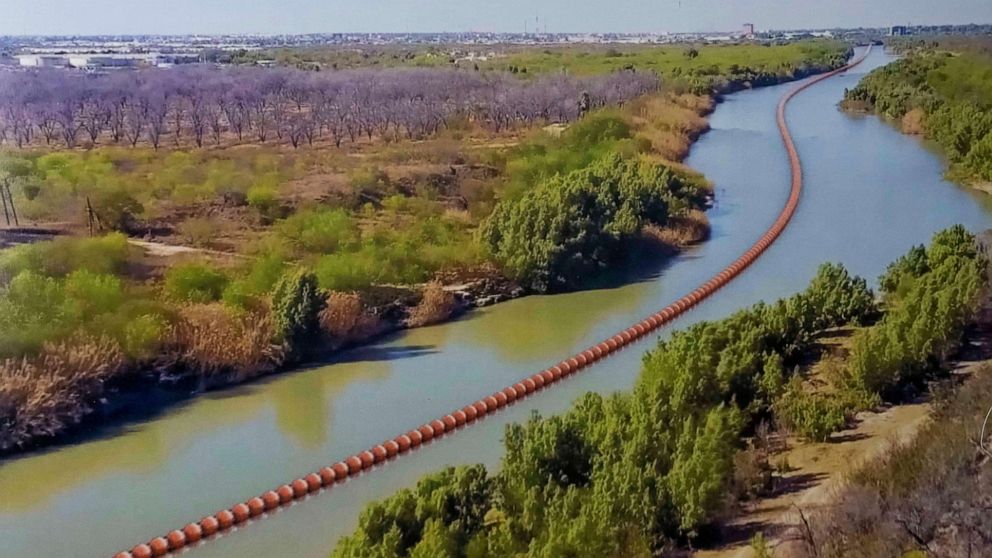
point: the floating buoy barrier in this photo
(258, 506)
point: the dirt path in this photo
(816, 471)
(162, 250)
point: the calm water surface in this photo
(870, 194)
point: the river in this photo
(870, 194)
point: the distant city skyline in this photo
(110, 17)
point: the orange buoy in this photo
(438, 426)
(124, 554)
(256, 506)
(481, 408)
(416, 438)
(501, 399)
(521, 390)
(159, 546)
(379, 453)
(300, 488)
(141, 551)
(511, 394)
(556, 373)
(176, 539)
(225, 519)
(367, 458)
(404, 442)
(538, 380)
(392, 448)
(313, 482)
(530, 385)
(460, 417)
(548, 377)
(491, 403)
(285, 493)
(471, 413)
(426, 432)
(241, 512)
(340, 470)
(193, 533)
(209, 525)
(354, 464)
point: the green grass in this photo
(673, 60)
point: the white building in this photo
(93, 61)
(43, 60)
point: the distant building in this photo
(748, 29)
(43, 61)
(90, 61)
(898, 30)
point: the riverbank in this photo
(940, 92)
(209, 345)
(187, 341)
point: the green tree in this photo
(296, 305)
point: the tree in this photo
(296, 306)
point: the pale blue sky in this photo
(312, 16)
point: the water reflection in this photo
(303, 402)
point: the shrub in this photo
(812, 415)
(568, 226)
(264, 200)
(209, 341)
(436, 305)
(193, 282)
(117, 210)
(143, 336)
(296, 306)
(90, 294)
(198, 231)
(32, 312)
(44, 395)
(345, 318)
(319, 231)
(927, 324)
(61, 256)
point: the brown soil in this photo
(818, 470)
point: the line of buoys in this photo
(355, 464)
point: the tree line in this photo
(205, 104)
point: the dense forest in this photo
(636, 473)
(943, 95)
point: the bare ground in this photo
(817, 470)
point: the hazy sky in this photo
(311, 16)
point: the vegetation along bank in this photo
(943, 91)
(648, 471)
(270, 251)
